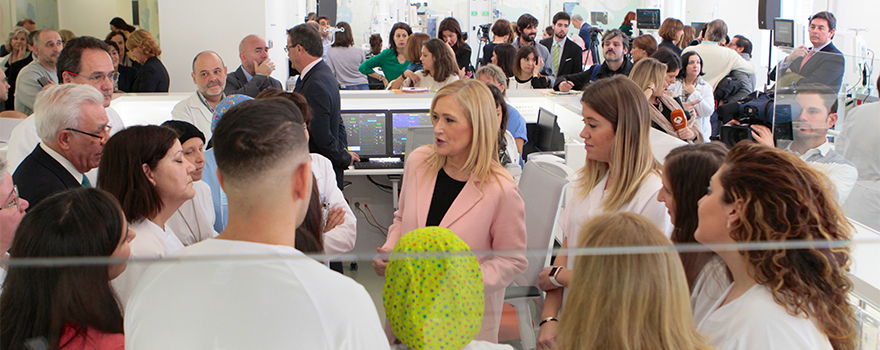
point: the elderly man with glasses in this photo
(11, 211)
(84, 60)
(73, 128)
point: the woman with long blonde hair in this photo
(458, 183)
(781, 298)
(650, 75)
(620, 175)
(627, 301)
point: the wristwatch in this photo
(553, 272)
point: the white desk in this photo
(395, 182)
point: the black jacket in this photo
(581, 80)
(669, 45)
(326, 130)
(40, 176)
(825, 67)
(151, 77)
(570, 60)
(126, 77)
(236, 83)
(12, 75)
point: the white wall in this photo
(91, 18)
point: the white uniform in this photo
(755, 321)
(859, 142)
(194, 221)
(340, 239)
(705, 108)
(711, 284)
(287, 301)
(150, 242)
(193, 111)
(513, 167)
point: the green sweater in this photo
(386, 60)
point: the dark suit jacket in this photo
(126, 77)
(152, 77)
(583, 79)
(570, 61)
(40, 176)
(327, 133)
(12, 75)
(825, 67)
(236, 83)
(669, 45)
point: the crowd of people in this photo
(246, 169)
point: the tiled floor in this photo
(509, 333)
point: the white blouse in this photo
(755, 321)
(194, 221)
(579, 209)
(427, 81)
(150, 242)
(513, 167)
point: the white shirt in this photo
(579, 209)
(755, 321)
(859, 142)
(24, 138)
(194, 221)
(705, 108)
(287, 302)
(340, 239)
(150, 242)
(720, 61)
(193, 111)
(711, 284)
(513, 167)
(64, 162)
(823, 158)
(309, 66)
(427, 81)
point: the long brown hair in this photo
(688, 170)
(413, 50)
(640, 300)
(783, 199)
(444, 60)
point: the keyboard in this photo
(378, 165)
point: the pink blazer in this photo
(491, 218)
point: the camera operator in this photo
(818, 113)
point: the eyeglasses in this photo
(288, 47)
(15, 200)
(94, 78)
(103, 138)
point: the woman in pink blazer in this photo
(458, 183)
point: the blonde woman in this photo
(620, 175)
(16, 45)
(641, 299)
(650, 75)
(152, 76)
(458, 183)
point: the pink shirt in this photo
(92, 340)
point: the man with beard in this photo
(565, 55)
(85, 60)
(817, 113)
(615, 46)
(209, 75)
(40, 72)
(254, 74)
(526, 31)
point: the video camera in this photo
(759, 109)
(484, 31)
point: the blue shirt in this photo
(516, 124)
(584, 33)
(209, 176)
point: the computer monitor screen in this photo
(698, 27)
(400, 122)
(648, 18)
(366, 131)
(549, 136)
(783, 32)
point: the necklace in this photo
(196, 238)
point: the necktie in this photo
(554, 56)
(807, 58)
(86, 182)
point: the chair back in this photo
(541, 186)
(417, 136)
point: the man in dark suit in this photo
(73, 128)
(823, 63)
(318, 85)
(254, 74)
(565, 55)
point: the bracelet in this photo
(555, 270)
(548, 319)
(652, 89)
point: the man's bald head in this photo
(209, 74)
(253, 49)
(204, 53)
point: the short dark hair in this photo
(501, 27)
(298, 99)
(308, 37)
(525, 21)
(716, 30)
(122, 171)
(523, 53)
(828, 17)
(70, 58)
(112, 45)
(743, 43)
(561, 16)
(506, 57)
(322, 17)
(614, 33)
(549, 30)
(253, 137)
(343, 38)
(666, 56)
(670, 28)
(24, 21)
(828, 95)
(398, 25)
(124, 39)
(37, 302)
(685, 58)
(451, 24)
(646, 42)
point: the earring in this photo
(728, 224)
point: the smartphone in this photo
(43, 81)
